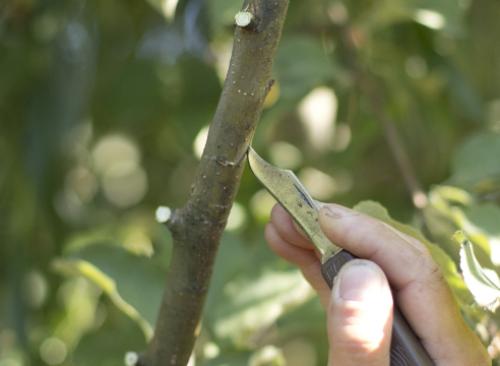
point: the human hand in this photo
(359, 307)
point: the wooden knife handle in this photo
(406, 349)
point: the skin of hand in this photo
(359, 306)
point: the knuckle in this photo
(431, 268)
(430, 274)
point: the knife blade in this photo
(287, 189)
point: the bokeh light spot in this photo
(124, 187)
(261, 204)
(117, 159)
(342, 137)
(320, 185)
(168, 8)
(318, 111)
(82, 182)
(211, 350)
(285, 155)
(53, 351)
(114, 150)
(267, 356)
(35, 288)
(430, 18)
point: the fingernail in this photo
(331, 211)
(359, 280)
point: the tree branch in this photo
(370, 88)
(197, 227)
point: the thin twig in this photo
(372, 90)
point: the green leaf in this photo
(446, 264)
(251, 289)
(267, 356)
(475, 165)
(483, 283)
(133, 283)
(455, 209)
(301, 64)
(480, 223)
(252, 305)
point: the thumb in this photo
(360, 316)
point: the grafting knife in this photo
(406, 349)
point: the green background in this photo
(103, 106)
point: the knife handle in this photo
(406, 349)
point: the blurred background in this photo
(104, 108)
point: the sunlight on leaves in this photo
(483, 283)
(107, 284)
(430, 18)
(133, 282)
(261, 204)
(253, 305)
(318, 112)
(479, 221)
(267, 356)
(285, 155)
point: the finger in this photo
(420, 289)
(291, 253)
(369, 238)
(283, 222)
(305, 259)
(360, 316)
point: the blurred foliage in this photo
(103, 112)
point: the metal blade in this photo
(291, 194)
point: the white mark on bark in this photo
(243, 18)
(162, 215)
(131, 358)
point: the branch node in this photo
(221, 207)
(226, 162)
